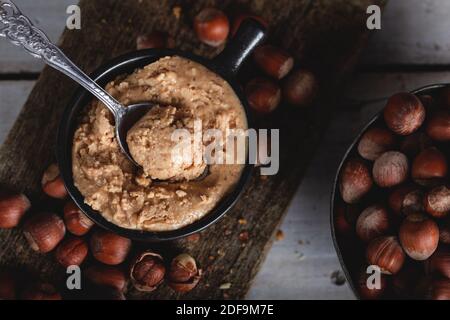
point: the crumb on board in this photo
(176, 11)
(225, 286)
(242, 221)
(338, 278)
(244, 236)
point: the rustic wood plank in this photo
(50, 15)
(326, 36)
(301, 265)
(14, 94)
(413, 32)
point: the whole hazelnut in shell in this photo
(44, 231)
(437, 202)
(109, 248)
(373, 222)
(404, 113)
(12, 208)
(390, 169)
(419, 236)
(386, 253)
(374, 142)
(406, 199)
(429, 167)
(355, 180)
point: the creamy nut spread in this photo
(181, 91)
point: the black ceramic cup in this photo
(349, 260)
(226, 65)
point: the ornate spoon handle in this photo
(19, 30)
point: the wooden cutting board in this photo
(325, 36)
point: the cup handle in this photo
(250, 34)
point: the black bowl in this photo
(353, 259)
(225, 65)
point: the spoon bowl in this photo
(126, 121)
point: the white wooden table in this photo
(409, 52)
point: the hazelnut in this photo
(44, 231)
(438, 126)
(439, 262)
(300, 88)
(263, 95)
(404, 113)
(386, 253)
(76, 221)
(374, 142)
(52, 183)
(41, 291)
(372, 293)
(440, 289)
(12, 208)
(71, 252)
(154, 39)
(211, 26)
(415, 143)
(390, 169)
(437, 202)
(274, 61)
(8, 286)
(406, 199)
(405, 282)
(183, 274)
(444, 231)
(106, 276)
(419, 236)
(147, 272)
(244, 16)
(345, 218)
(372, 223)
(355, 180)
(429, 167)
(108, 247)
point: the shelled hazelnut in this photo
(300, 88)
(106, 276)
(263, 95)
(355, 180)
(76, 221)
(438, 126)
(372, 223)
(274, 61)
(147, 271)
(371, 293)
(154, 39)
(183, 275)
(437, 202)
(52, 183)
(8, 286)
(109, 248)
(376, 141)
(41, 291)
(419, 236)
(71, 252)
(404, 113)
(12, 208)
(390, 169)
(406, 199)
(44, 231)
(211, 26)
(386, 253)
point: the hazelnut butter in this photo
(161, 195)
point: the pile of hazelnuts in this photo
(394, 206)
(75, 240)
(264, 93)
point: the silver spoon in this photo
(19, 30)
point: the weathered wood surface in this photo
(325, 35)
(412, 32)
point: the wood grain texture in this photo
(412, 32)
(325, 36)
